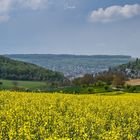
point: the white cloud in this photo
(114, 13)
(6, 6)
(33, 4)
(69, 7)
(69, 4)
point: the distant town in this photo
(74, 65)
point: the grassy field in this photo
(9, 84)
(80, 90)
(42, 86)
(36, 116)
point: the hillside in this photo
(131, 69)
(17, 70)
(73, 65)
(129, 72)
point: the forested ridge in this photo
(131, 69)
(17, 70)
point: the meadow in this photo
(45, 116)
(35, 86)
(12, 84)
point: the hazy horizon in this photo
(69, 54)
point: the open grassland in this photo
(10, 84)
(36, 116)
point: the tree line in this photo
(114, 78)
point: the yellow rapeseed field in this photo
(42, 116)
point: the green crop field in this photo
(9, 84)
(36, 116)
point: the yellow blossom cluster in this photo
(44, 116)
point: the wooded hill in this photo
(131, 69)
(115, 76)
(17, 70)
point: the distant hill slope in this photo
(17, 70)
(131, 69)
(73, 65)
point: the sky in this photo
(87, 27)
